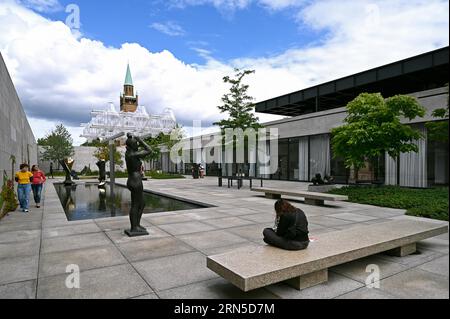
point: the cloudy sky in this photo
(179, 50)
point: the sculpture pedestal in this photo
(138, 233)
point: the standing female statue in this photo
(133, 160)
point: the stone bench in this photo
(311, 198)
(254, 267)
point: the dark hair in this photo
(24, 166)
(283, 206)
(34, 168)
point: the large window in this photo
(283, 160)
(319, 155)
(437, 159)
(293, 159)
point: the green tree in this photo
(239, 107)
(93, 143)
(438, 131)
(372, 128)
(168, 140)
(102, 152)
(57, 145)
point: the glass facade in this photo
(437, 160)
(300, 158)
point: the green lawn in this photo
(429, 203)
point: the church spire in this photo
(128, 78)
(128, 101)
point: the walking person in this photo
(291, 228)
(37, 185)
(24, 178)
(51, 170)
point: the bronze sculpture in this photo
(101, 172)
(133, 161)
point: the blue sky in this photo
(226, 34)
(180, 50)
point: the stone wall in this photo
(16, 136)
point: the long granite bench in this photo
(253, 267)
(311, 198)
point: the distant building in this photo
(304, 143)
(132, 117)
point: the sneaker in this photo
(38, 206)
(26, 211)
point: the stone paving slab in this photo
(228, 222)
(153, 248)
(214, 289)
(358, 270)
(118, 236)
(50, 245)
(260, 218)
(223, 249)
(212, 239)
(367, 293)
(51, 264)
(35, 225)
(434, 244)
(117, 282)
(336, 286)
(353, 217)
(186, 228)
(20, 249)
(19, 290)
(117, 223)
(437, 266)
(252, 232)
(70, 230)
(168, 219)
(174, 271)
(16, 269)
(19, 236)
(416, 259)
(416, 284)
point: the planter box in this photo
(321, 188)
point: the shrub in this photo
(9, 198)
(429, 203)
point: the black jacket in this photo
(293, 226)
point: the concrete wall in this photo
(84, 156)
(16, 136)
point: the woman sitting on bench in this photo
(291, 228)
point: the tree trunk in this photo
(355, 174)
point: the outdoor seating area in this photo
(311, 198)
(223, 250)
(240, 180)
(250, 268)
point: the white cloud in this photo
(170, 28)
(60, 77)
(42, 5)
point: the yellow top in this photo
(24, 178)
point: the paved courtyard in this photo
(35, 250)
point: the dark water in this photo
(87, 201)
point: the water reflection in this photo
(87, 201)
